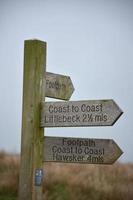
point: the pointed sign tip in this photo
(118, 111)
(120, 114)
(119, 151)
(59, 86)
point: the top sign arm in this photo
(58, 86)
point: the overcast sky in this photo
(89, 40)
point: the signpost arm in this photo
(32, 134)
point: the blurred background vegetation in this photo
(71, 181)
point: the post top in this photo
(34, 40)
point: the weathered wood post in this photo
(32, 135)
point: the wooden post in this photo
(32, 134)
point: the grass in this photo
(9, 175)
(71, 181)
(91, 182)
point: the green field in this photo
(71, 181)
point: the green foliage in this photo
(8, 196)
(58, 192)
(5, 197)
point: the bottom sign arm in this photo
(80, 150)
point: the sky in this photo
(89, 40)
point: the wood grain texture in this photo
(80, 150)
(32, 134)
(58, 86)
(80, 113)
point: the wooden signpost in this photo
(37, 114)
(58, 86)
(30, 179)
(81, 150)
(80, 113)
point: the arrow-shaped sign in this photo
(58, 86)
(79, 150)
(80, 113)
